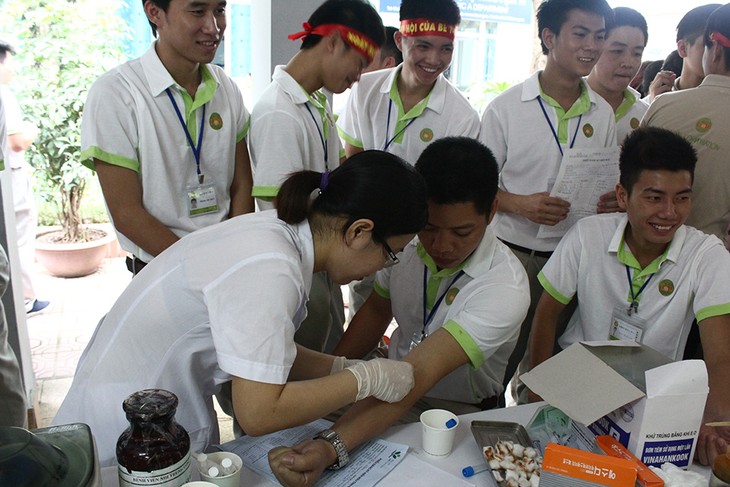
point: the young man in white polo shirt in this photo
(166, 133)
(292, 128)
(626, 38)
(460, 338)
(644, 275)
(402, 109)
(531, 125)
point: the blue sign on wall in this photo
(517, 11)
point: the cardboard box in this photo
(651, 405)
(644, 476)
(585, 469)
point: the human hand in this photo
(542, 208)
(387, 380)
(712, 441)
(340, 363)
(663, 82)
(302, 464)
(607, 203)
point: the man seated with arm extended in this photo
(460, 339)
(644, 275)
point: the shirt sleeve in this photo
(559, 276)
(712, 294)
(492, 133)
(348, 124)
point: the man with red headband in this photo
(292, 128)
(402, 109)
(702, 116)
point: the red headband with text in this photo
(426, 27)
(720, 39)
(355, 39)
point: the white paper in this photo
(585, 174)
(369, 463)
(414, 471)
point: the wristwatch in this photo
(343, 458)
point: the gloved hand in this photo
(339, 363)
(387, 380)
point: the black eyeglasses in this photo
(392, 258)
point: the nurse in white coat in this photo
(224, 302)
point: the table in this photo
(465, 451)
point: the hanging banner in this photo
(516, 11)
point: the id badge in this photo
(201, 199)
(625, 327)
(416, 340)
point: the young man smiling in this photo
(558, 110)
(644, 275)
(168, 129)
(460, 338)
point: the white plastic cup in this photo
(222, 480)
(198, 483)
(439, 430)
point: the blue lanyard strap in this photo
(321, 136)
(196, 150)
(552, 129)
(428, 317)
(634, 306)
(387, 128)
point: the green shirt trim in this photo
(91, 153)
(712, 311)
(551, 290)
(638, 279)
(404, 118)
(581, 106)
(381, 291)
(625, 106)
(462, 337)
(204, 94)
(243, 133)
(265, 192)
(436, 275)
(349, 139)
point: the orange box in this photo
(645, 476)
(562, 461)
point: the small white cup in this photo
(439, 430)
(230, 480)
(198, 483)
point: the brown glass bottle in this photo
(155, 449)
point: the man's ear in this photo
(682, 46)
(388, 63)
(398, 38)
(153, 12)
(622, 196)
(359, 234)
(548, 38)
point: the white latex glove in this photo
(340, 363)
(387, 380)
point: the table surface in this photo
(465, 451)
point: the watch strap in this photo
(343, 458)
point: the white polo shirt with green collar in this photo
(629, 113)
(516, 130)
(482, 310)
(290, 131)
(374, 117)
(129, 121)
(691, 280)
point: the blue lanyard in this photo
(196, 150)
(428, 317)
(321, 135)
(552, 129)
(387, 128)
(634, 306)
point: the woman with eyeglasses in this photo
(223, 304)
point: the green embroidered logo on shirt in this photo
(588, 130)
(426, 135)
(451, 295)
(703, 125)
(634, 123)
(666, 287)
(216, 122)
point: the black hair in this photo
(693, 23)
(164, 5)
(5, 48)
(459, 170)
(652, 69)
(654, 149)
(673, 62)
(356, 14)
(444, 10)
(719, 21)
(371, 184)
(552, 14)
(627, 17)
(389, 48)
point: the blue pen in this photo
(450, 423)
(469, 470)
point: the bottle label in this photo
(173, 476)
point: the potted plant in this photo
(64, 46)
